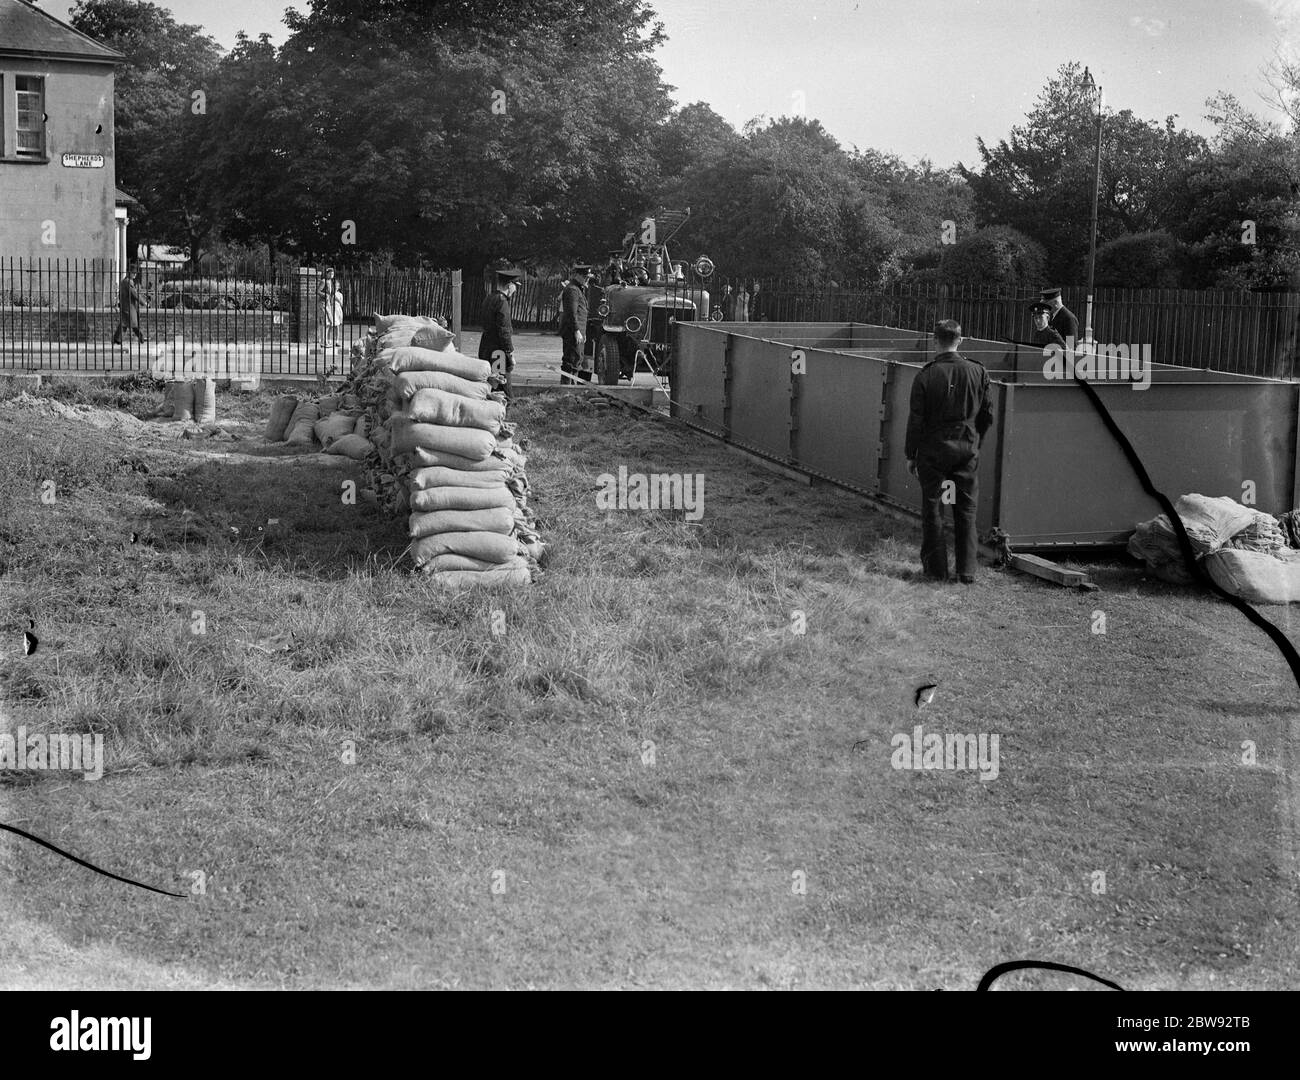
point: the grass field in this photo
(649, 779)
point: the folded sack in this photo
(472, 443)
(436, 476)
(413, 358)
(407, 383)
(440, 407)
(488, 546)
(495, 519)
(460, 498)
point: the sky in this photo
(924, 78)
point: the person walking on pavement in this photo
(128, 306)
(497, 344)
(950, 411)
(1063, 320)
(573, 326)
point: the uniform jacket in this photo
(950, 401)
(498, 332)
(1048, 336)
(1065, 323)
(573, 308)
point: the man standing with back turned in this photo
(950, 412)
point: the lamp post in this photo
(1096, 197)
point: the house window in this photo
(29, 115)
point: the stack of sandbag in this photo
(445, 455)
(1242, 549)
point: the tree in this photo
(1040, 180)
(166, 63)
(457, 132)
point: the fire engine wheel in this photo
(609, 360)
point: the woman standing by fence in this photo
(331, 309)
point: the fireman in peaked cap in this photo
(497, 345)
(1063, 320)
(573, 327)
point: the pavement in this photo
(537, 361)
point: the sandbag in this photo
(437, 476)
(439, 407)
(462, 562)
(460, 498)
(1210, 522)
(1255, 576)
(205, 401)
(508, 576)
(488, 546)
(437, 338)
(300, 427)
(357, 447)
(281, 415)
(423, 459)
(495, 519)
(407, 383)
(334, 426)
(1264, 533)
(327, 405)
(385, 323)
(182, 401)
(362, 428)
(411, 358)
(471, 443)
(349, 401)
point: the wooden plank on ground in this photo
(1049, 571)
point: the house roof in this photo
(26, 30)
(121, 198)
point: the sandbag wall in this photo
(444, 454)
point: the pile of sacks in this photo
(191, 401)
(1245, 551)
(444, 454)
(337, 422)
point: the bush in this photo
(998, 255)
(1150, 260)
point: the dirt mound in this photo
(114, 420)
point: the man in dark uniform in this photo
(595, 321)
(1043, 332)
(614, 271)
(573, 326)
(950, 412)
(1063, 320)
(497, 345)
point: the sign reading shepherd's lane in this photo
(83, 161)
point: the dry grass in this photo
(522, 758)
